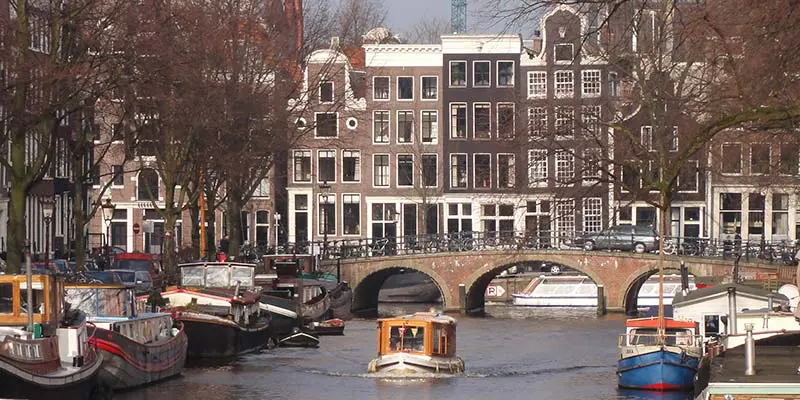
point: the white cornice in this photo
(481, 44)
(403, 55)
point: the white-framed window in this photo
(565, 122)
(459, 217)
(760, 158)
(351, 214)
(262, 228)
(789, 159)
(689, 177)
(537, 167)
(302, 165)
(505, 73)
(117, 176)
(564, 84)
(731, 158)
(590, 83)
(458, 120)
(482, 170)
(351, 166)
(481, 73)
(458, 74)
(482, 120)
(537, 122)
(563, 52)
(592, 214)
(326, 125)
(380, 88)
(590, 119)
(430, 170)
(565, 166)
(429, 128)
(458, 171)
(537, 84)
(262, 190)
(326, 92)
(613, 84)
(565, 218)
(405, 170)
(631, 176)
(405, 126)
(592, 165)
(673, 141)
(505, 170)
(326, 165)
(430, 87)
(506, 121)
(327, 214)
(646, 137)
(380, 170)
(380, 126)
(405, 88)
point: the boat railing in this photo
(773, 332)
(653, 339)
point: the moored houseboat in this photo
(419, 343)
(138, 348)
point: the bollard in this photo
(749, 351)
(462, 297)
(601, 300)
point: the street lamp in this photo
(763, 220)
(277, 226)
(108, 215)
(48, 205)
(325, 191)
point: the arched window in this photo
(148, 185)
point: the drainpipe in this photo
(684, 278)
(770, 302)
(749, 351)
(732, 311)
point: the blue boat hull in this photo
(658, 370)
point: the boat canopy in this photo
(217, 275)
(669, 323)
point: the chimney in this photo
(749, 351)
(335, 43)
(732, 310)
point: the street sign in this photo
(136, 228)
(495, 291)
(148, 226)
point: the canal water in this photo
(513, 353)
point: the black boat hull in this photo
(208, 339)
(300, 339)
(84, 384)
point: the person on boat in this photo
(223, 248)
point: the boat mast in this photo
(662, 222)
(202, 205)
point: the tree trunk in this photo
(168, 255)
(211, 237)
(79, 220)
(16, 227)
(194, 213)
(234, 211)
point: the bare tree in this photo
(427, 31)
(349, 21)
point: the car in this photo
(637, 238)
(105, 277)
(140, 281)
(141, 262)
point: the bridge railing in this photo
(777, 252)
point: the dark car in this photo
(141, 262)
(140, 281)
(105, 277)
(637, 238)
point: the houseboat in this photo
(218, 305)
(55, 359)
(421, 343)
(138, 348)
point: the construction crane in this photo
(458, 16)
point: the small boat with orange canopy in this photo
(417, 344)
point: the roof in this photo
(713, 291)
(423, 317)
(652, 322)
(774, 364)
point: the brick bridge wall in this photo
(618, 272)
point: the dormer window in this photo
(326, 92)
(564, 52)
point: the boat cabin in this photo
(644, 332)
(47, 300)
(102, 300)
(218, 275)
(430, 334)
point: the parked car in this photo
(141, 262)
(140, 281)
(105, 277)
(621, 237)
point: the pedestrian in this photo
(223, 244)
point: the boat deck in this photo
(774, 364)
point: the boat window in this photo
(439, 340)
(192, 276)
(217, 277)
(244, 275)
(6, 298)
(712, 325)
(38, 300)
(407, 338)
(644, 337)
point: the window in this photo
(731, 212)
(688, 177)
(459, 217)
(302, 166)
(505, 171)
(147, 185)
(789, 159)
(326, 92)
(592, 214)
(732, 158)
(380, 172)
(505, 120)
(755, 222)
(380, 126)
(590, 82)
(537, 84)
(673, 139)
(458, 171)
(537, 168)
(262, 229)
(351, 166)
(430, 170)
(405, 126)
(405, 170)
(592, 165)
(405, 88)
(646, 137)
(384, 222)
(565, 166)
(458, 121)
(326, 165)
(482, 114)
(590, 119)
(117, 176)
(780, 214)
(480, 73)
(430, 87)
(430, 126)
(327, 214)
(631, 178)
(7, 298)
(565, 86)
(327, 125)
(759, 158)
(262, 190)
(458, 73)
(564, 123)
(119, 228)
(505, 73)
(565, 218)
(351, 214)
(613, 84)
(563, 52)
(483, 171)
(380, 88)
(537, 122)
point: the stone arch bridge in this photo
(620, 273)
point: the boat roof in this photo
(216, 264)
(774, 365)
(716, 290)
(434, 317)
(652, 322)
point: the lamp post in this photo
(48, 205)
(277, 229)
(763, 221)
(108, 215)
(325, 191)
